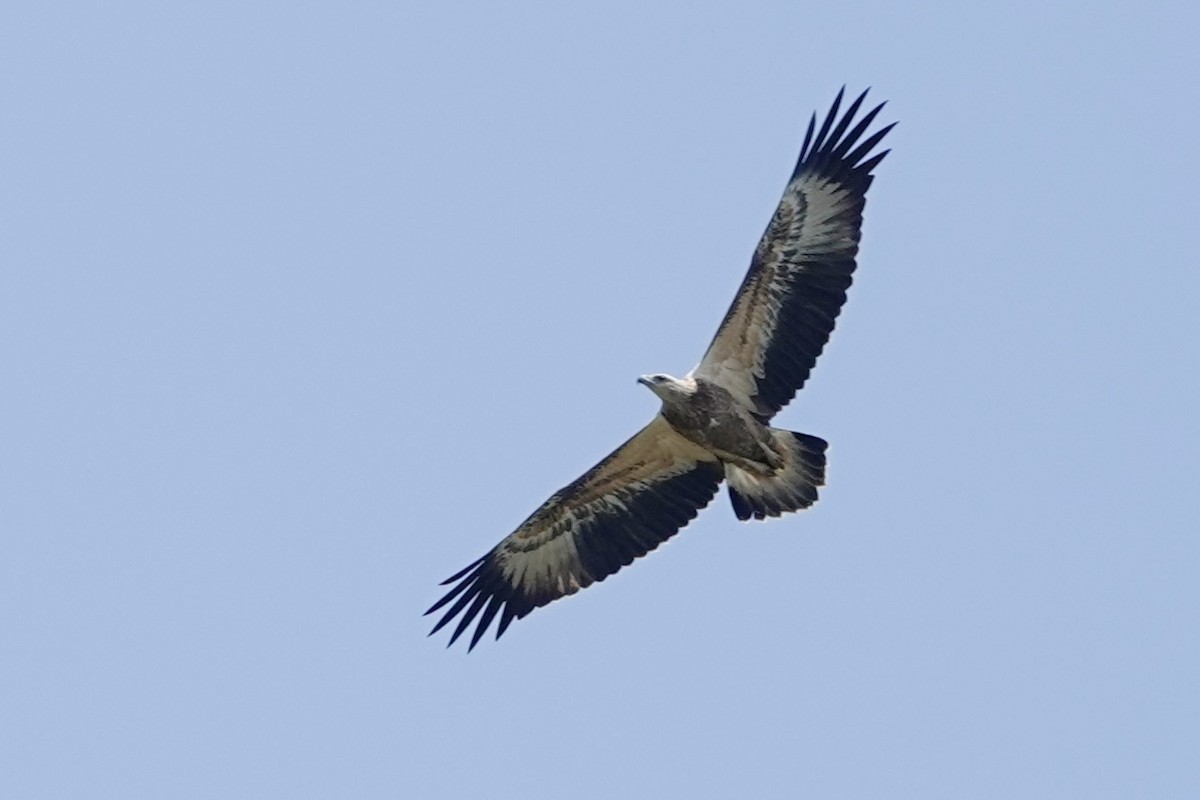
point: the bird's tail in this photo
(790, 488)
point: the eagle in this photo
(714, 423)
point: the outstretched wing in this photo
(622, 508)
(785, 309)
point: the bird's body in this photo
(707, 415)
(714, 423)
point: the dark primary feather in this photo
(621, 509)
(786, 307)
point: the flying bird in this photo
(714, 423)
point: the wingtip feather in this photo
(463, 571)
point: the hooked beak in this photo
(645, 381)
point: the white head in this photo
(671, 390)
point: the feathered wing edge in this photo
(621, 509)
(829, 154)
(786, 307)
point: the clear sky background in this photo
(305, 306)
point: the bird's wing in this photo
(785, 309)
(622, 508)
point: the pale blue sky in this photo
(305, 306)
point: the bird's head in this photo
(670, 390)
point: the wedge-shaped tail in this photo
(791, 488)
